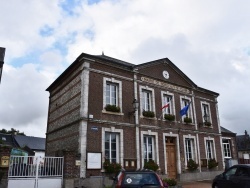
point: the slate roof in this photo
(243, 142)
(7, 139)
(34, 143)
(224, 130)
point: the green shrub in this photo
(187, 120)
(111, 167)
(169, 117)
(212, 163)
(192, 165)
(112, 108)
(207, 123)
(150, 114)
(170, 181)
(151, 165)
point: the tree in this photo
(12, 131)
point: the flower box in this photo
(150, 114)
(169, 117)
(112, 108)
(187, 120)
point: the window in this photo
(226, 148)
(148, 147)
(184, 102)
(189, 148)
(167, 99)
(210, 148)
(112, 146)
(205, 112)
(112, 93)
(146, 100)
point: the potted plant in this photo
(148, 113)
(169, 117)
(111, 168)
(151, 165)
(208, 123)
(187, 120)
(212, 163)
(192, 165)
(112, 108)
(169, 182)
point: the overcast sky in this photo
(208, 40)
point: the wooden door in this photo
(171, 157)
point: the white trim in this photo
(194, 149)
(214, 150)
(119, 83)
(152, 99)
(156, 153)
(172, 103)
(190, 110)
(121, 144)
(178, 159)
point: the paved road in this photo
(198, 184)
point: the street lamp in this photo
(135, 105)
(2, 53)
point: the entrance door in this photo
(171, 157)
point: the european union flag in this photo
(184, 110)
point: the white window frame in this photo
(204, 103)
(119, 145)
(171, 108)
(152, 100)
(119, 90)
(155, 148)
(190, 109)
(194, 148)
(228, 149)
(213, 151)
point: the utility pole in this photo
(2, 53)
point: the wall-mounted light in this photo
(135, 105)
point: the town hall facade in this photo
(101, 108)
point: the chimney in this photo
(246, 133)
(2, 53)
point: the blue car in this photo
(237, 176)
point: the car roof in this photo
(242, 165)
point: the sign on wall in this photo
(94, 160)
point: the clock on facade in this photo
(165, 74)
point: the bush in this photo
(212, 163)
(148, 114)
(187, 120)
(111, 167)
(169, 117)
(192, 165)
(169, 182)
(112, 108)
(151, 165)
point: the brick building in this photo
(93, 113)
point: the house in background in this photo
(229, 146)
(23, 145)
(243, 144)
(31, 144)
(107, 109)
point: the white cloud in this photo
(207, 40)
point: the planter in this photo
(112, 108)
(187, 120)
(149, 114)
(169, 117)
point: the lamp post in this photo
(135, 105)
(2, 53)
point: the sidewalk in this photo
(197, 184)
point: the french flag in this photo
(165, 106)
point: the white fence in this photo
(35, 172)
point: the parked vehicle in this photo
(236, 176)
(137, 179)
